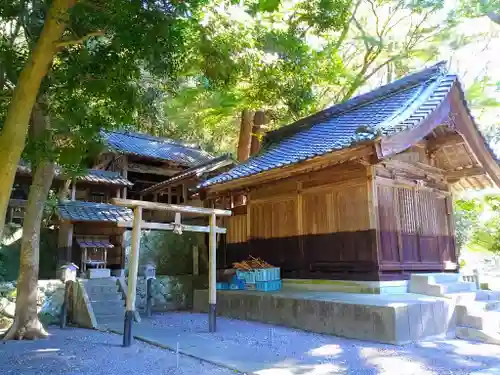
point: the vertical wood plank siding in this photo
(343, 223)
(414, 229)
(316, 225)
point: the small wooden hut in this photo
(362, 190)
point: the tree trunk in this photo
(15, 126)
(64, 190)
(259, 119)
(245, 137)
(26, 324)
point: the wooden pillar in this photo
(118, 193)
(196, 269)
(169, 197)
(133, 268)
(212, 292)
(125, 174)
(65, 239)
(184, 193)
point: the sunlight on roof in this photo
(47, 350)
(326, 350)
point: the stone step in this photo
(103, 281)
(101, 289)
(108, 307)
(474, 334)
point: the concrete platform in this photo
(394, 319)
(348, 286)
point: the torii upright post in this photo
(212, 269)
(132, 276)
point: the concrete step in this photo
(487, 295)
(457, 287)
(108, 308)
(436, 278)
(462, 297)
(104, 297)
(482, 320)
(468, 333)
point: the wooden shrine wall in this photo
(314, 225)
(416, 229)
(116, 255)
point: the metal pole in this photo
(132, 277)
(212, 292)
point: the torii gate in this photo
(176, 227)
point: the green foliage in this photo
(478, 223)
(467, 213)
(477, 8)
(10, 256)
(171, 253)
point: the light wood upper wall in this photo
(326, 201)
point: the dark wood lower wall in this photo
(340, 256)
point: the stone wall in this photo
(170, 292)
(50, 297)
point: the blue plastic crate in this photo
(268, 286)
(248, 276)
(267, 274)
(222, 286)
(237, 284)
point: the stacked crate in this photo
(268, 279)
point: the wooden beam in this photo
(132, 276)
(169, 207)
(464, 172)
(170, 226)
(318, 162)
(18, 203)
(151, 169)
(448, 140)
(415, 167)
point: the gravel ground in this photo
(307, 353)
(84, 352)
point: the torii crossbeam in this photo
(176, 227)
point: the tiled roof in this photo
(155, 148)
(389, 109)
(90, 211)
(94, 242)
(195, 171)
(99, 176)
(96, 176)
